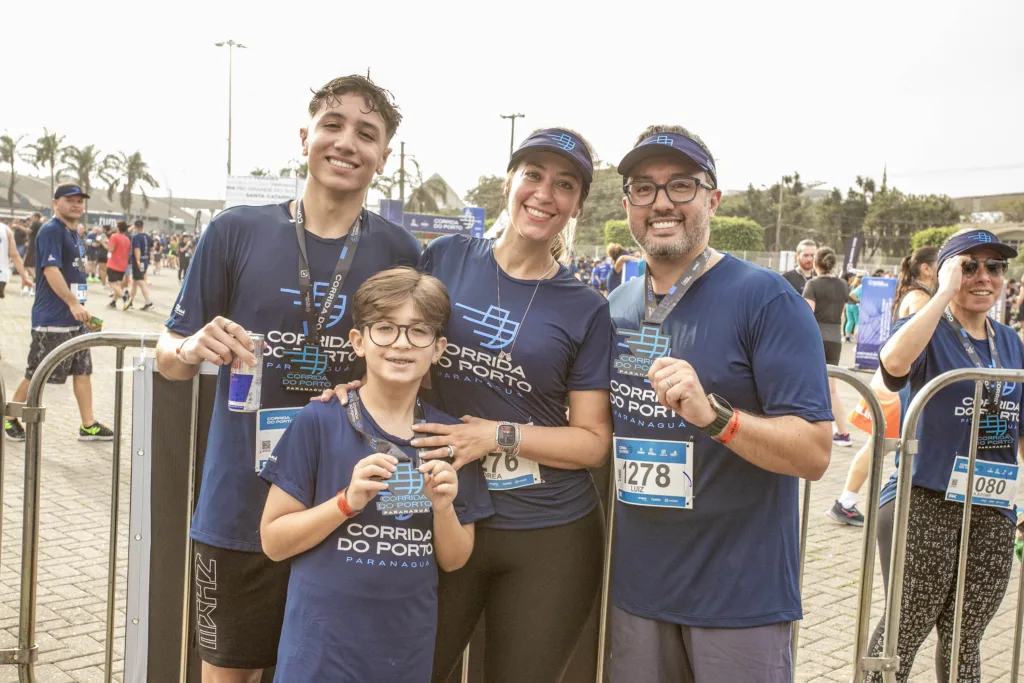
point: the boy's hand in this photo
(368, 479)
(441, 484)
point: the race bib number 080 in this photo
(995, 483)
(654, 473)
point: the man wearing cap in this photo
(141, 246)
(718, 411)
(59, 310)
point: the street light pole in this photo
(512, 140)
(231, 44)
(778, 220)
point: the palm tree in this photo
(45, 153)
(8, 155)
(259, 172)
(428, 197)
(123, 172)
(82, 164)
(302, 171)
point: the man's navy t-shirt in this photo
(246, 268)
(944, 431)
(562, 345)
(362, 604)
(732, 561)
(58, 246)
(143, 243)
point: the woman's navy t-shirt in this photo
(362, 605)
(562, 345)
(943, 432)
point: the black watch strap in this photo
(723, 413)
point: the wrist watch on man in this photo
(507, 436)
(724, 414)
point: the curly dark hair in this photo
(377, 99)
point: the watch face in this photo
(506, 436)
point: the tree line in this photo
(122, 173)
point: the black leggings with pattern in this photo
(929, 580)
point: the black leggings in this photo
(183, 262)
(536, 588)
(929, 580)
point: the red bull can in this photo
(247, 382)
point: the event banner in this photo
(876, 298)
(852, 247)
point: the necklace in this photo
(503, 354)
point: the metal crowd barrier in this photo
(889, 662)
(32, 413)
(880, 445)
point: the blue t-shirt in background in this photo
(733, 560)
(143, 243)
(944, 431)
(600, 274)
(562, 346)
(246, 268)
(362, 605)
(56, 245)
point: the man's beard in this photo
(693, 236)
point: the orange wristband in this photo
(343, 505)
(731, 428)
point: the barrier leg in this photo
(965, 536)
(115, 500)
(602, 629)
(1015, 667)
(805, 519)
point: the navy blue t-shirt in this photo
(600, 273)
(362, 605)
(562, 346)
(58, 246)
(944, 431)
(732, 561)
(246, 268)
(143, 243)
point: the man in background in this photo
(804, 271)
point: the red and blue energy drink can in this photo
(247, 382)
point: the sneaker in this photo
(112, 304)
(14, 430)
(127, 305)
(96, 432)
(842, 440)
(851, 516)
(148, 306)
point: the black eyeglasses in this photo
(678, 191)
(385, 333)
(995, 267)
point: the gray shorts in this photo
(648, 651)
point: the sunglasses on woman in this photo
(995, 267)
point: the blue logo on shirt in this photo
(494, 326)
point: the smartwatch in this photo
(508, 436)
(723, 413)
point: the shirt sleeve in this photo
(590, 368)
(809, 290)
(473, 501)
(788, 360)
(49, 249)
(893, 383)
(293, 464)
(430, 257)
(206, 291)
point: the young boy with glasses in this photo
(365, 518)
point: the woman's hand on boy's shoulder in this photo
(471, 440)
(341, 391)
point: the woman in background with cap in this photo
(526, 339)
(953, 331)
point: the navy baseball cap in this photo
(559, 141)
(69, 190)
(965, 240)
(672, 144)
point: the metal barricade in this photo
(889, 662)
(32, 413)
(880, 445)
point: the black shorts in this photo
(101, 255)
(833, 350)
(114, 275)
(45, 342)
(139, 274)
(239, 606)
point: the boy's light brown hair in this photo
(389, 289)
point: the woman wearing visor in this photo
(953, 331)
(525, 340)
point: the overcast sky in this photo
(934, 89)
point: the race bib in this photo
(81, 292)
(504, 472)
(995, 483)
(654, 473)
(270, 425)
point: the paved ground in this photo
(76, 482)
